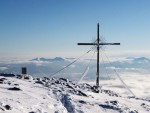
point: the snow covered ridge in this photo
(52, 95)
(56, 59)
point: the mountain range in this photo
(56, 59)
(48, 66)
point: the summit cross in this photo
(98, 43)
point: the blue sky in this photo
(54, 27)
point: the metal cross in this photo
(98, 43)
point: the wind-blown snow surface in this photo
(44, 95)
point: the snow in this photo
(53, 95)
(32, 97)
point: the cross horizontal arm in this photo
(87, 43)
(109, 43)
(99, 44)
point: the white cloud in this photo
(139, 84)
(3, 68)
(73, 66)
(112, 67)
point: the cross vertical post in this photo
(97, 79)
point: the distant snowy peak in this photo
(130, 60)
(56, 59)
(139, 60)
(142, 59)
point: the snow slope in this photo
(45, 95)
